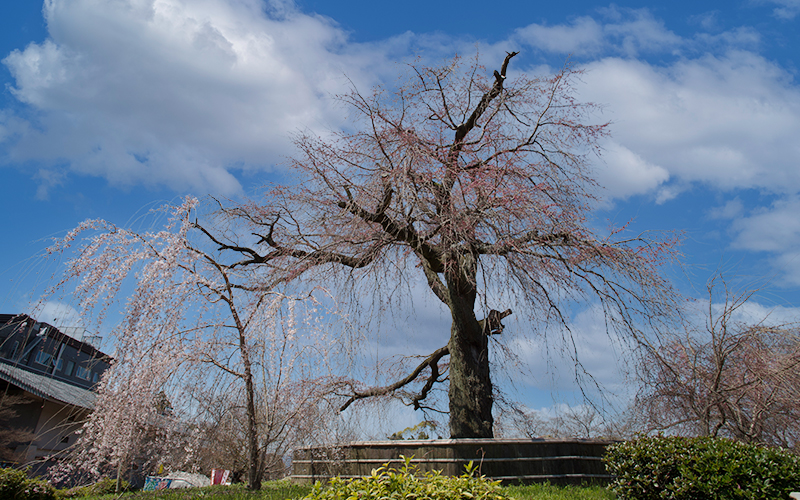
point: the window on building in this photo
(83, 373)
(70, 367)
(43, 358)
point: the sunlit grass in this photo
(548, 492)
(273, 490)
(284, 490)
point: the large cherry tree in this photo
(477, 182)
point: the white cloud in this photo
(754, 312)
(707, 20)
(631, 33)
(729, 122)
(552, 365)
(771, 229)
(572, 362)
(774, 230)
(741, 37)
(717, 113)
(186, 93)
(180, 93)
(175, 92)
(626, 31)
(583, 35)
(730, 210)
(667, 193)
(759, 309)
(637, 31)
(787, 9)
(58, 314)
(627, 173)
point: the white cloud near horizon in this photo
(58, 314)
(610, 359)
(571, 363)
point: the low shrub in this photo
(104, 486)
(679, 468)
(15, 485)
(406, 483)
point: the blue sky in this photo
(109, 107)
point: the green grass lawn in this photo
(273, 490)
(282, 490)
(547, 492)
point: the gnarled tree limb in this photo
(431, 361)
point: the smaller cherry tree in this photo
(732, 377)
(192, 330)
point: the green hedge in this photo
(104, 486)
(405, 484)
(700, 468)
(15, 485)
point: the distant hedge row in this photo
(677, 468)
(15, 485)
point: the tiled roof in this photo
(47, 387)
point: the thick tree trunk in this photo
(470, 384)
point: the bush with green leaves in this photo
(15, 485)
(407, 484)
(104, 486)
(678, 468)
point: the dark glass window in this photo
(43, 358)
(83, 373)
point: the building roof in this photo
(48, 387)
(54, 333)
